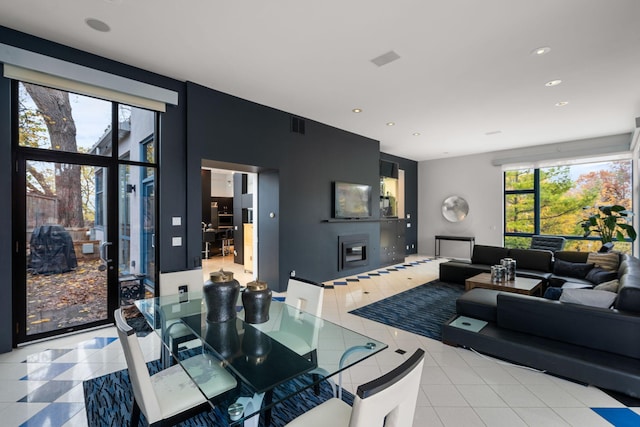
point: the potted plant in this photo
(611, 222)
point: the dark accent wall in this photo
(6, 242)
(170, 188)
(229, 129)
(410, 168)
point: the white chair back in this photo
(143, 390)
(305, 295)
(391, 397)
(169, 282)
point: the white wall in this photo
(476, 180)
(221, 184)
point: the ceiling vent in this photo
(385, 58)
(297, 125)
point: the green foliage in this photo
(562, 198)
(515, 242)
(610, 222)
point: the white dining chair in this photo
(389, 401)
(170, 396)
(305, 295)
(175, 332)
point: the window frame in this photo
(537, 200)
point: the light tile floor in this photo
(41, 384)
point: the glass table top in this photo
(271, 361)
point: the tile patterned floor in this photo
(41, 384)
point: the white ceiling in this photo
(465, 66)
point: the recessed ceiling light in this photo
(391, 124)
(561, 103)
(553, 83)
(97, 25)
(357, 110)
(493, 132)
(416, 134)
(541, 51)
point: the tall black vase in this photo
(220, 295)
(224, 338)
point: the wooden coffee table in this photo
(521, 285)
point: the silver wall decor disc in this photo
(455, 209)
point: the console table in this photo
(470, 239)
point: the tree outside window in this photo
(551, 201)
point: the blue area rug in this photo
(109, 399)
(421, 310)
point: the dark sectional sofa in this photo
(588, 344)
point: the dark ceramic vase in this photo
(256, 300)
(224, 338)
(220, 295)
(256, 346)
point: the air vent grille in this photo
(297, 125)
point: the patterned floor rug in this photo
(421, 310)
(108, 402)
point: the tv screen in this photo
(351, 200)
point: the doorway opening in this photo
(229, 224)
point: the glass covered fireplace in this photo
(353, 251)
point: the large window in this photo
(553, 201)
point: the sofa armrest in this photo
(592, 327)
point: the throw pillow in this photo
(608, 261)
(611, 286)
(552, 293)
(578, 270)
(589, 297)
(599, 275)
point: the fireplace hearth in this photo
(353, 251)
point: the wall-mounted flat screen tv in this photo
(351, 200)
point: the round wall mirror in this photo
(455, 209)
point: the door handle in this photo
(103, 252)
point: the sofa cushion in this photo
(571, 256)
(577, 284)
(599, 275)
(590, 297)
(489, 255)
(591, 327)
(478, 303)
(532, 259)
(629, 292)
(611, 286)
(578, 270)
(608, 261)
(459, 271)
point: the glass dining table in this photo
(271, 362)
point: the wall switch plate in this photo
(183, 293)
